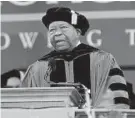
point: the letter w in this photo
(28, 39)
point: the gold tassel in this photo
(73, 18)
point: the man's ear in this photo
(78, 31)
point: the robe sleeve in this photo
(115, 93)
(117, 85)
(35, 75)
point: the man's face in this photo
(13, 82)
(63, 36)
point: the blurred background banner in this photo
(23, 36)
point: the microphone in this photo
(52, 64)
(51, 67)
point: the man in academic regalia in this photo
(74, 62)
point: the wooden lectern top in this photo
(40, 97)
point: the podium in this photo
(51, 102)
(46, 102)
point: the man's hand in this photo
(113, 114)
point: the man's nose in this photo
(58, 32)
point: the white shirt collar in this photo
(78, 43)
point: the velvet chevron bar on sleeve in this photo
(118, 86)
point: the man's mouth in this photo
(60, 42)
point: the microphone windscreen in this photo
(52, 64)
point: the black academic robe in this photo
(96, 69)
(78, 60)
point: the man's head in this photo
(13, 82)
(10, 79)
(64, 27)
